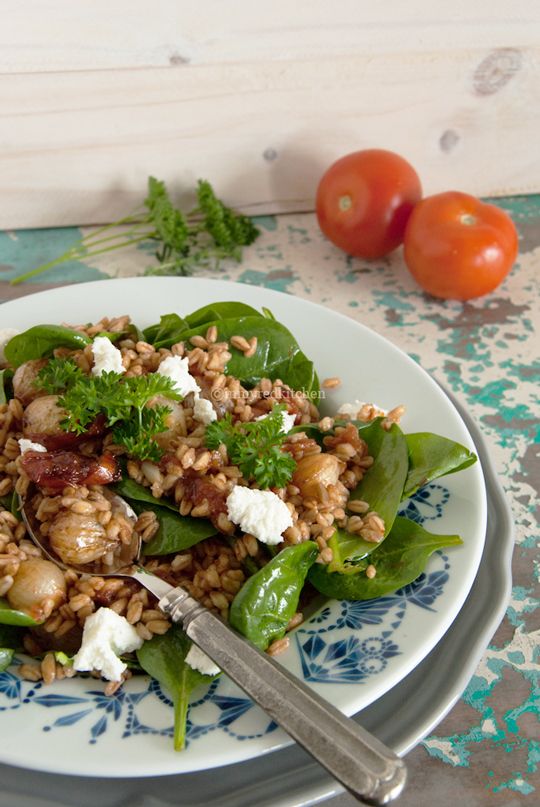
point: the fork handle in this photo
(362, 764)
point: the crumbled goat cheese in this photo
(105, 636)
(107, 359)
(204, 411)
(198, 660)
(260, 513)
(178, 370)
(352, 409)
(5, 335)
(27, 445)
(286, 424)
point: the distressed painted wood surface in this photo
(485, 753)
(259, 100)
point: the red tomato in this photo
(364, 201)
(458, 247)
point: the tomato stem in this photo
(344, 202)
(468, 219)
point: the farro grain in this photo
(30, 672)
(143, 631)
(48, 668)
(331, 383)
(252, 348)
(239, 342)
(159, 626)
(278, 646)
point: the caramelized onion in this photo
(43, 416)
(79, 538)
(23, 380)
(313, 470)
(36, 584)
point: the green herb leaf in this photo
(278, 354)
(175, 532)
(255, 447)
(202, 237)
(399, 560)
(123, 401)
(6, 387)
(8, 616)
(432, 456)
(263, 607)
(40, 341)
(164, 658)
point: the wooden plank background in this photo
(258, 99)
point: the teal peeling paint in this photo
(521, 208)
(267, 222)
(477, 696)
(26, 250)
(277, 280)
(349, 277)
(390, 300)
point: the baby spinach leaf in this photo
(348, 549)
(263, 607)
(399, 560)
(40, 341)
(8, 616)
(432, 456)
(132, 490)
(6, 387)
(163, 657)
(11, 639)
(382, 484)
(175, 532)
(208, 314)
(6, 657)
(166, 332)
(11, 502)
(278, 354)
(381, 487)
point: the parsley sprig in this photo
(255, 447)
(123, 402)
(204, 236)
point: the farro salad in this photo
(207, 426)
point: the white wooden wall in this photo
(258, 98)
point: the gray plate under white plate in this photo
(289, 778)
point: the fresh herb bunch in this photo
(255, 447)
(202, 237)
(123, 401)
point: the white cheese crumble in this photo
(5, 335)
(177, 369)
(286, 424)
(198, 660)
(105, 636)
(107, 359)
(204, 411)
(352, 409)
(260, 513)
(27, 445)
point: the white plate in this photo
(351, 653)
